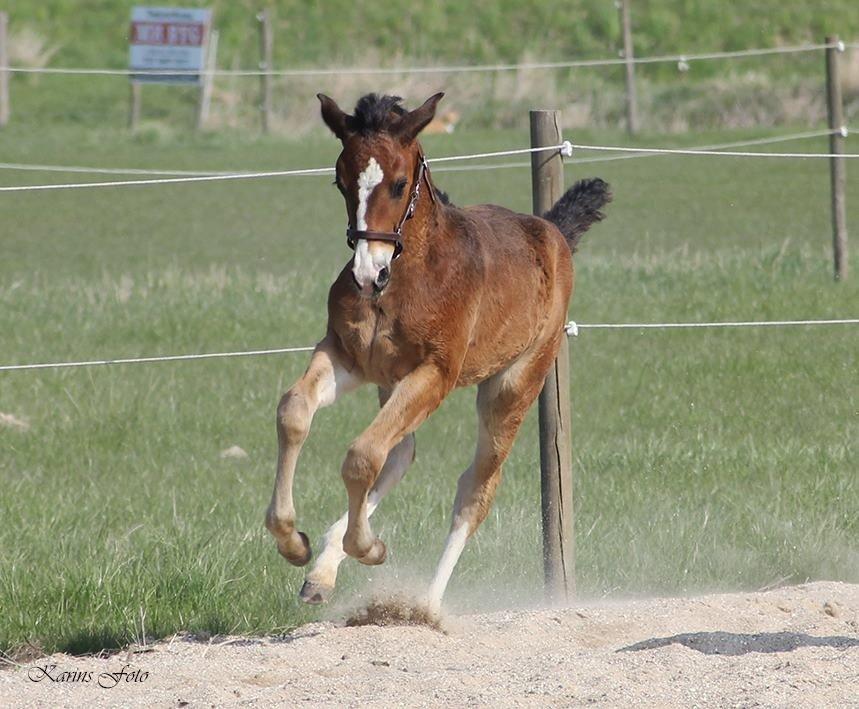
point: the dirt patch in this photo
(394, 611)
(796, 646)
(13, 422)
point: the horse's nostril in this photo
(383, 278)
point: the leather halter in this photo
(395, 237)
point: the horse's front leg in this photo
(412, 400)
(325, 380)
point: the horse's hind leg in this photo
(323, 576)
(324, 381)
(502, 402)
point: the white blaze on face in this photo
(370, 256)
(367, 182)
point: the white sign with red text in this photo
(165, 39)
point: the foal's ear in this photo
(414, 122)
(333, 116)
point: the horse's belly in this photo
(489, 356)
(501, 334)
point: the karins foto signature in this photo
(105, 680)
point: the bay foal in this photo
(435, 297)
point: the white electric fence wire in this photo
(449, 69)
(84, 170)
(572, 328)
(145, 360)
(479, 168)
(80, 169)
(719, 146)
(31, 167)
(723, 153)
(171, 180)
(255, 175)
(566, 148)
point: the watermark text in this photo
(52, 673)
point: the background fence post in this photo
(631, 97)
(134, 103)
(265, 64)
(837, 168)
(4, 73)
(556, 463)
(208, 80)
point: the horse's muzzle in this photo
(376, 286)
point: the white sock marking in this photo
(452, 550)
(324, 570)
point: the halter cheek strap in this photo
(395, 237)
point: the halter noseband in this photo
(395, 237)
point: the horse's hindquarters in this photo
(526, 295)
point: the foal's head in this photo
(378, 173)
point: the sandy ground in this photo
(789, 647)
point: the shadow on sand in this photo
(722, 643)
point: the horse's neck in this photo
(428, 224)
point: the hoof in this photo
(376, 555)
(434, 611)
(315, 594)
(302, 557)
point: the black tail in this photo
(580, 207)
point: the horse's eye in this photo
(339, 186)
(398, 187)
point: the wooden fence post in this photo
(837, 167)
(135, 99)
(629, 64)
(556, 479)
(208, 80)
(265, 65)
(4, 72)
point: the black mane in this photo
(374, 113)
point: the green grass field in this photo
(703, 460)
(773, 90)
(342, 32)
